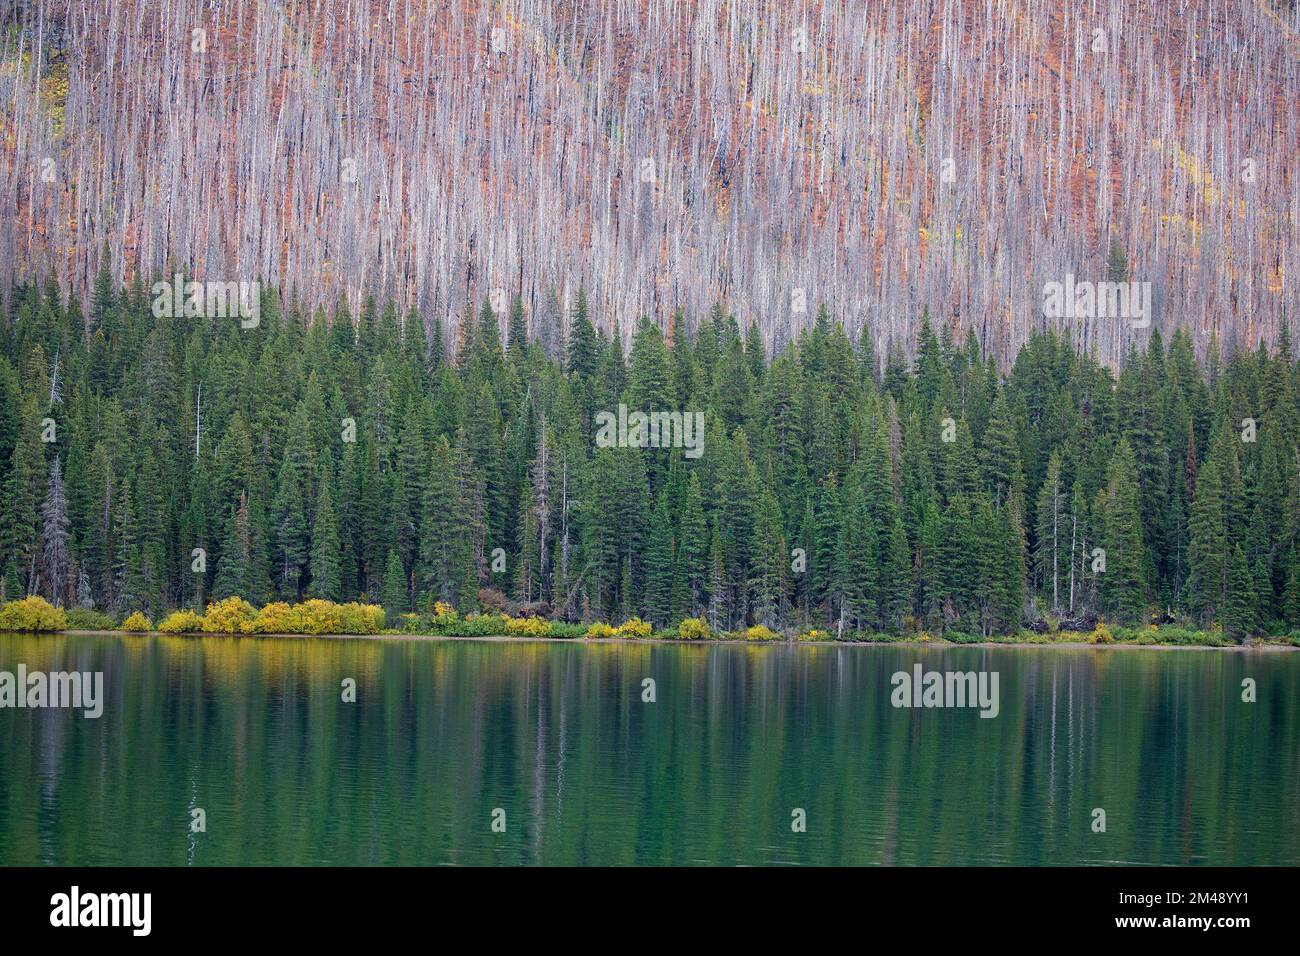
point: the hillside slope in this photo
(882, 158)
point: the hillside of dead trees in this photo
(666, 155)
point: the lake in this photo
(554, 744)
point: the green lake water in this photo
(443, 733)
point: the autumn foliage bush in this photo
(32, 614)
(528, 626)
(357, 618)
(184, 621)
(1101, 634)
(318, 617)
(445, 617)
(137, 623)
(278, 618)
(634, 627)
(693, 629)
(234, 615)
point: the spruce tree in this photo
(1207, 548)
(54, 535)
(1239, 612)
(396, 600)
(325, 581)
(441, 529)
(1122, 583)
(659, 565)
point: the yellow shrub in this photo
(277, 618)
(182, 622)
(32, 614)
(693, 629)
(319, 617)
(357, 618)
(634, 627)
(234, 615)
(760, 632)
(1101, 634)
(814, 635)
(528, 626)
(444, 616)
(600, 629)
(137, 623)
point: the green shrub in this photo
(1181, 635)
(85, 619)
(182, 622)
(565, 630)
(478, 625)
(445, 618)
(32, 614)
(1029, 637)
(878, 637)
(137, 623)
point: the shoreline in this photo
(1266, 646)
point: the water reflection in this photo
(255, 732)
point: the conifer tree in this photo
(1122, 582)
(396, 600)
(1239, 613)
(54, 535)
(325, 581)
(1051, 531)
(768, 575)
(693, 548)
(659, 565)
(441, 532)
(1207, 550)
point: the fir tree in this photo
(396, 598)
(1122, 582)
(54, 534)
(325, 582)
(441, 532)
